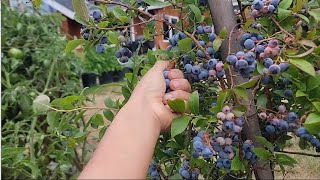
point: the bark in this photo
(222, 13)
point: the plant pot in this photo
(89, 79)
(105, 78)
(117, 76)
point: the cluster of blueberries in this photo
(284, 122)
(245, 62)
(152, 170)
(282, 84)
(247, 151)
(280, 123)
(303, 133)
(124, 53)
(187, 173)
(202, 71)
(222, 143)
(86, 32)
(260, 7)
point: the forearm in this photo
(126, 149)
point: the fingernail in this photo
(175, 84)
(167, 96)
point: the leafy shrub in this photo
(34, 71)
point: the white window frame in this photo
(169, 18)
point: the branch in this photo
(244, 19)
(281, 28)
(196, 42)
(131, 25)
(300, 153)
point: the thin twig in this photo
(123, 27)
(281, 28)
(244, 19)
(300, 153)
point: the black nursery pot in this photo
(88, 79)
(117, 76)
(105, 77)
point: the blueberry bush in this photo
(254, 71)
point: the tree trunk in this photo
(222, 13)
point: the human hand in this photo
(150, 91)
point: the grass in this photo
(307, 167)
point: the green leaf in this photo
(262, 101)
(315, 13)
(298, 32)
(304, 18)
(298, 6)
(113, 37)
(193, 103)
(300, 93)
(262, 153)
(146, 33)
(176, 176)
(283, 13)
(286, 160)
(237, 164)
(97, 119)
(37, 3)
(177, 105)
(185, 45)
(179, 124)
(312, 123)
(264, 142)
(80, 9)
(157, 3)
(103, 24)
(260, 67)
(216, 44)
(241, 93)
(53, 118)
(303, 65)
(108, 102)
(11, 151)
(73, 44)
(223, 33)
(80, 136)
(196, 12)
(248, 84)
(316, 105)
(239, 110)
(102, 131)
(222, 97)
(285, 4)
(313, 82)
(108, 114)
(120, 14)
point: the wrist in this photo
(140, 110)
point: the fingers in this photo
(180, 84)
(179, 94)
(162, 65)
(175, 74)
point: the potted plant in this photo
(103, 64)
